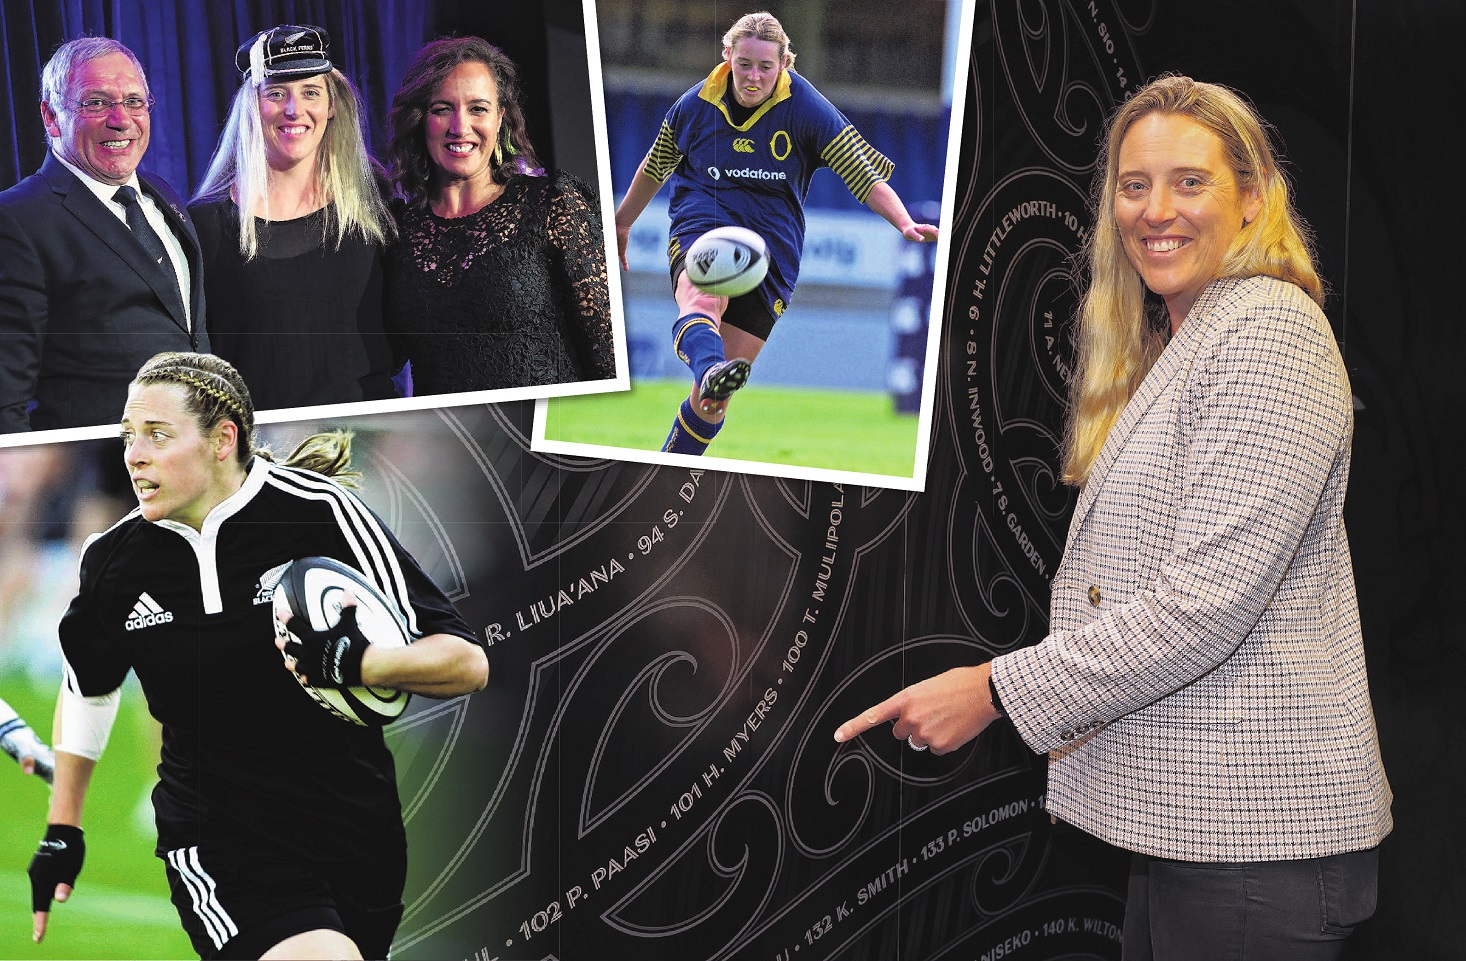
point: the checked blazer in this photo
(1202, 692)
(82, 305)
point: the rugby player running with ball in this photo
(279, 823)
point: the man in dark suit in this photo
(99, 266)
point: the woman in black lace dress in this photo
(498, 278)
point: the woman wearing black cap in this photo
(292, 224)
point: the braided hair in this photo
(215, 392)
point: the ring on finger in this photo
(911, 740)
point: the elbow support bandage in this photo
(86, 722)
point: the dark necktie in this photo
(137, 222)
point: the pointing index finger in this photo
(887, 710)
(39, 918)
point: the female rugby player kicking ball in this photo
(279, 824)
(740, 148)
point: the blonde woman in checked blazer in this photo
(1201, 694)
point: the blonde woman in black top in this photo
(293, 226)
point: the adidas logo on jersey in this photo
(147, 612)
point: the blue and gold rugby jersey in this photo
(757, 174)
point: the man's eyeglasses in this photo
(101, 107)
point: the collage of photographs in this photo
(378, 579)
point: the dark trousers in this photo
(1262, 911)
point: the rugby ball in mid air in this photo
(727, 261)
(313, 589)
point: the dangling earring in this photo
(499, 152)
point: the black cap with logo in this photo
(288, 52)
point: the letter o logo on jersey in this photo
(713, 172)
(774, 144)
(743, 145)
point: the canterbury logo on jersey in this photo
(743, 145)
(147, 612)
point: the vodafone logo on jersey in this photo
(747, 173)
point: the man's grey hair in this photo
(73, 54)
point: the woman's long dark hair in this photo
(407, 149)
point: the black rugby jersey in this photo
(248, 756)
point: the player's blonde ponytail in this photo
(328, 454)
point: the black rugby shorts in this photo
(235, 902)
(749, 312)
